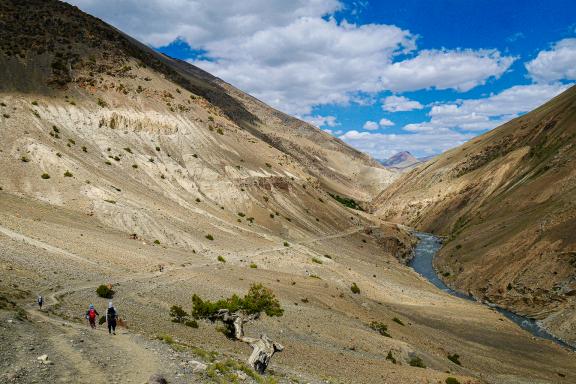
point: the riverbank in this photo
(423, 263)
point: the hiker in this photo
(91, 314)
(40, 301)
(111, 316)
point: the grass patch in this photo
(346, 201)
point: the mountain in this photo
(124, 168)
(505, 201)
(404, 161)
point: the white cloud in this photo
(370, 125)
(488, 112)
(559, 63)
(400, 104)
(321, 121)
(442, 69)
(385, 123)
(382, 146)
(292, 54)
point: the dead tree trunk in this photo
(262, 348)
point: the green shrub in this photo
(416, 361)
(258, 299)
(355, 289)
(241, 214)
(397, 320)
(198, 200)
(101, 103)
(128, 150)
(34, 102)
(390, 357)
(84, 149)
(24, 159)
(317, 261)
(58, 154)
(72, 141)
(452, 380)
(178, 315)
(253, 266)
(110, 201)
(346, 201)
(210, 237)
(250, 219)
(134, 166)
(380, 327)
(328, 256)
(157, 242)
(220, 131)
(286, 244)
(104, 291)
(67, 174)
(455, 358)
(269, 165)
(221, 259)
(158, 149)
(107, 163)
(191, 323)
(45, 176)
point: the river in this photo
(422, 263)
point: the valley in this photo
(122, 166)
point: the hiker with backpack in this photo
(91, 316)
(40, 301)
(111, 317)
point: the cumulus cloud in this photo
(321, 121)
(370, 125)
(293, 54)
(400, 104)
(558, 63)
(385, 123)
(382, 146)
(442, 69)
(488, 112)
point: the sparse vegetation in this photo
(452, 380)
(455, 358)
(416, 361)
(221, 259)
(397, 320)
(110, 201)
(380, 327)
(101, 103)
(157, 242)
(355, 289)
(128, 150)
(210, 237)
(135, 166)
(45, 176)
(286, 244)
(24, 159)
(317, 261)
(346, 201)
(68, 174)
(105, 291)
(390, 357)
(178, 314)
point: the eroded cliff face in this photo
(506, 203)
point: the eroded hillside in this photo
(121, 166)
(506, 203)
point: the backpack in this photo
(92, 314)
(111, 314)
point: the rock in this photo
(241, 375)
(157, 379)
(43, 357)
(197, 366)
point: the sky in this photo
(384, 76)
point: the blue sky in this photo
(384, 76)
